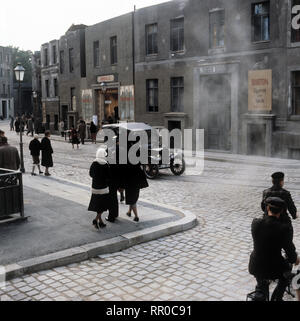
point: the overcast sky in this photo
(29, 23)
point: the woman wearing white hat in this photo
(101, 199)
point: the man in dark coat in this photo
(47, 152)
(9, 156)
(270, 237)
(35, 149)
(277, 191)
(81, 131)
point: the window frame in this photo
(261, 16)
(96, 55)
(114, 50)
(62, 61)
(47, 87)
(211, 37)
(179, 88)
(178, 29)
(154, 43)
(154, 90)
(71, 60)
(293, 86)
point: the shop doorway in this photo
(215, 111)
(110, 105)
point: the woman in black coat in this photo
(101, 198)
(74, 137)
(47, 152)
(134, 180)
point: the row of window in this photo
(7, 58)
(5, 73)
(113, 52)
(55, 87)
(177, 94)
(46, 56)
(260, 29)
(4, 87)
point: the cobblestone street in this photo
(207, 263)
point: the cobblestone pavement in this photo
(207, 263)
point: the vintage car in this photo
(157, 158)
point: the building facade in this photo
(72, 74)
(49, 84)
(110, 76)
(231, 68)
(6, 83)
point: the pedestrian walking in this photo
(47, 152)
(270, 237)
(93, 130)
(35, 149)
(100, 199)
(81, 131)
(74, 137)
(9, 156)
(62, 128)
(17, 125)
(30, 127)
(12, 121)
(134, 180)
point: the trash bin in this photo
(11, 193)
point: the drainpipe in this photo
(133, 54)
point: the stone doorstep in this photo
(113, 245)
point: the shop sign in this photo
(107, 78)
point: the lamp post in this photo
(19, 73)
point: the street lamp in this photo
(19, 73)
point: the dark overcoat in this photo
(270, 237)
(47, 152)
(101, 176)
(35, 147)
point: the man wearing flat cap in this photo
(270, 237)
(277, 190)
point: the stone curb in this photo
(113, 245)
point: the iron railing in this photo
(11, 193)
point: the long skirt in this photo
(100, 203)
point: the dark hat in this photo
(275, 202)
(278, 176)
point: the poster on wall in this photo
(87, 104)
(126, 103)
(260, 90)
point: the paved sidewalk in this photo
(59, 220)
